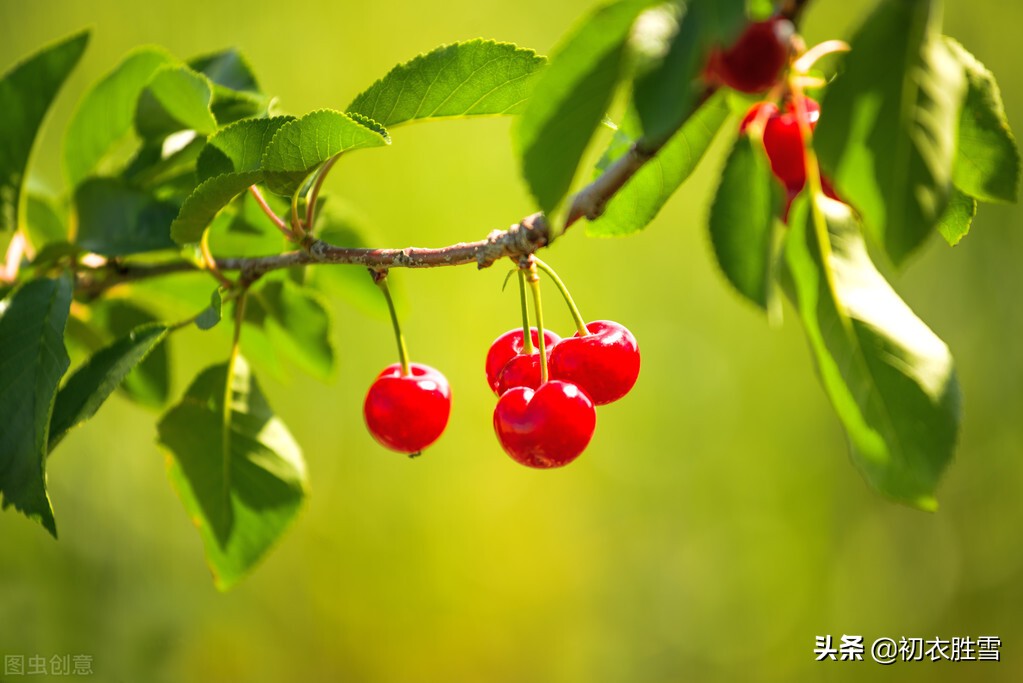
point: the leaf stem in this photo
(580, 323)
(534, 283)
(277, 221)
(380, 278)
(527, 338)
(211, 263)
(314, 191)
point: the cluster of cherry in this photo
(754, 64)
(549, 423)
(548, 388)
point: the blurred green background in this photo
(714, 527)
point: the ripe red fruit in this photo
(521, 371)
(755, 61)
(407, 413)
(604, 363)
(783, 140)
(509, 345)
(545, 428)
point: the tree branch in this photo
(519, 240)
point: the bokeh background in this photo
(714, 527)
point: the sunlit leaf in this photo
(639, 201)
(475, 78)
(571, 98)
(26, 92)
(987, 164)
(958, 217)
(891, 380)
(244, 498)
(297, 322)
(106, 113)
(299, 147)
(176, 98)
(889, 137)
(227, 166)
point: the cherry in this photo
(783, 140)
(407, 413)
(509, 345)
(755, 61)
(545, 428)
(521, 371)
(604, 363)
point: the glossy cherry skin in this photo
(755, 61)
(521, 371)
(545, 428)
(509, 345)
(783, 142)
(604, 363)
(407, 413)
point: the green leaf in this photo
(742, 220)
(664, 92)
(301, 146)
(91, 385)
(639, 201)
(239, 147)
(888, 138)
(26, 92)
(228, 68)
(149, 383)
(212, 314)
(176, 98)
(958, 217)
(44, 222)
(570, 99)
(891, 380)
(116, 219)
(32, 361)
(105, 114)
(987, 162)
(475, 78)
(297, 323)
(242, 499)
(227, 166)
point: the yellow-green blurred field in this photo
(714, 527)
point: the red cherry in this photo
(521, 371)
(769, 109)
(545, 428)
(509, 345)
(407, 413)
(783, 142)
(604, 363)
(755, 61)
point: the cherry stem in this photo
(210, 262)
(805, 61)
(314, 192)
(296, 222)
(527, 338)
(577, 317)
(277, 221)
(380, 278)
(534, 284)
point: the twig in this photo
(517, 241)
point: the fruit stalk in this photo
(534, 283)
(580, 324)
(527, 341)
(380, 278)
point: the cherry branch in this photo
(521, 239)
